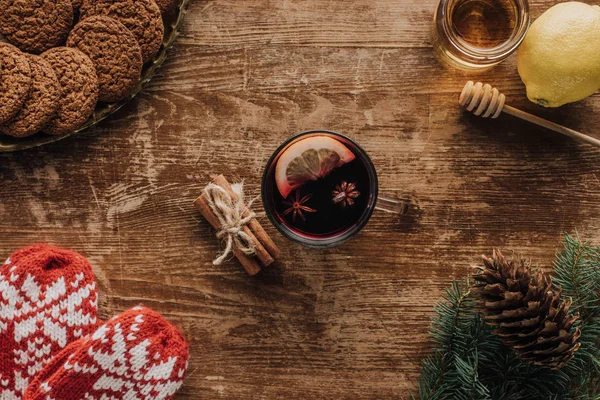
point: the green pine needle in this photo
(471, 363)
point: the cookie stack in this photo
(64, 56)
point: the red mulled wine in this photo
(319, 187)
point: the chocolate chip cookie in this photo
(40, 105)
(15, 81)
(36, 25)
(141, 17)
(78, 89)
(114, 51)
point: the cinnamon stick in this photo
(254, 225)
(262, 254)
(250, 264)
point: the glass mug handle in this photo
(392, 206)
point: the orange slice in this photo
(308, 160)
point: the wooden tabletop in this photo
(348, 322)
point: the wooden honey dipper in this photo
(485, 101)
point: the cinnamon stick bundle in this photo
(255, 226)
(264, 248)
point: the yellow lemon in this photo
(559, 60)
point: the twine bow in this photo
(231, 219)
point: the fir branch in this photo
(577, 272)
(464, 343)
(469, 362)
(440, 378)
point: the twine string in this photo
(230, 214)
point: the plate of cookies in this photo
(65, 65)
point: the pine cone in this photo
(528, 314)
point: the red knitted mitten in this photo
(47, 300)
(135, 355)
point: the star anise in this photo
(345, 194)
(297, 207)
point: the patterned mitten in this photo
(135, 355)
(47, 300)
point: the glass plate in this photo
(173, 24)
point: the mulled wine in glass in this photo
(320, 188)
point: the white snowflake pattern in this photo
(41, 318)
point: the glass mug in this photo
(329, 210)
(477, 34)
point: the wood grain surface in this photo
(344, 323)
